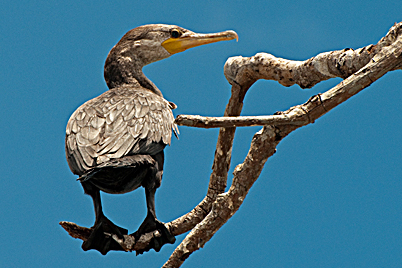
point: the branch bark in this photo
(239, 121)
(361, 68)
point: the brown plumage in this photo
(115, 141)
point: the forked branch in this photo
(361, 69)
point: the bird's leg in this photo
(151, 223)
(101, 237)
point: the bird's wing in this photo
(115, 124)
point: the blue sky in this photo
(330, 196)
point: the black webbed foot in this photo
(156, 243)
(101, 236)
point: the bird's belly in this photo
(119, 180)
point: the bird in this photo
(115, 142)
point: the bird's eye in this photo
(175, 33)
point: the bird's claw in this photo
(101, 237)
(157, 241)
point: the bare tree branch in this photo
(239, 121)
(263, 145)
(340, 63)
(220, 168)
(360, 67)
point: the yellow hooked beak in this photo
(189, 39)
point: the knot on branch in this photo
(236, 71)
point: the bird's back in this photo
(123, 121)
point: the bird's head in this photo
(149, 43)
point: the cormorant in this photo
(115, 142)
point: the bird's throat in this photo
(127, 70)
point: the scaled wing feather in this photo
(119, 122)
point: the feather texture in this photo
(126, 120)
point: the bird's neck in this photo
(127, 70)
